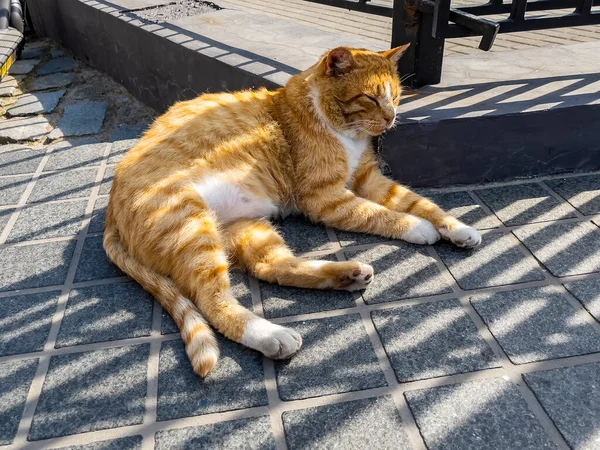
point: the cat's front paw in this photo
(462, 235)
(421, 231)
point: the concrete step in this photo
(10, 40)
(495, 116)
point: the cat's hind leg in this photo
(255, 245)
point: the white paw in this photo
(358, 279)
(462, 235)
(421, 232)
(273, 341)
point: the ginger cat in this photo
(195, 194)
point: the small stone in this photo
(29, 104)
(51, 81)
(23, 67)
(23, 129)
(80, 119)
(63, 64)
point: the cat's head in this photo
(357, 91)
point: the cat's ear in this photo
(394, 54)
(338, 62)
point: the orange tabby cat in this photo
(195, 194)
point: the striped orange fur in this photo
(194, 196)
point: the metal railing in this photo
(426, 24)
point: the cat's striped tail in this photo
(200, 343)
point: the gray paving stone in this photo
(23, 129)
(432, 340)
(524, 203)
(98, 215)
(50, 81)
(32, 52)
(106, 313)
(58, 186)
(588, 293)
(8, 85)
(87, 155)
(25, 321)
(119, 148)
(535, 324)
(39, 103)
(346, 238)
(368, 423)
(303, 236)
(23, 67)
(56, 53)
(242, 434)
(80, 119)
(571, 397)
(35, 265)
(92, 391)
(48, 220)
(480, 414)
(465, 209)
(94, 264)
(564, 248)
(4, 217)
(582, 192)
(127, 443)
(107, 180)
(401, 271)
(129, 132)
(16, 159)
(64, 64)
(336, 357)
(12, 188)
(496, 262)
(15, 380)
(236, 382)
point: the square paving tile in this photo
(73, 157)
(240, 289)
(465, 209)
(92, 391)
(368, 423)
(15, 380)
(582, 192)
(119, 148)
(48, 220)
(432, 340)
(39, 103)
(236, 382)
(347, 238)
(535, 324)
(588, 293)
(496, 262)
(480, 414)
(25, 322)
(105, 313)
(16, 160)
(242, 434)
(98, 215)
(303, 236)
(94, 264)
(35, 265)
(12, 188)
(564, 248)
(524, 203)
(401, 271)
(126, 443)
(4, 217)
(57, 186)
(107, 180)
(571, 397)
(336, 357)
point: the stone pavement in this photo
(378, 28)
(497, 347)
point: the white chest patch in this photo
(229, 202)
(353, 149)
